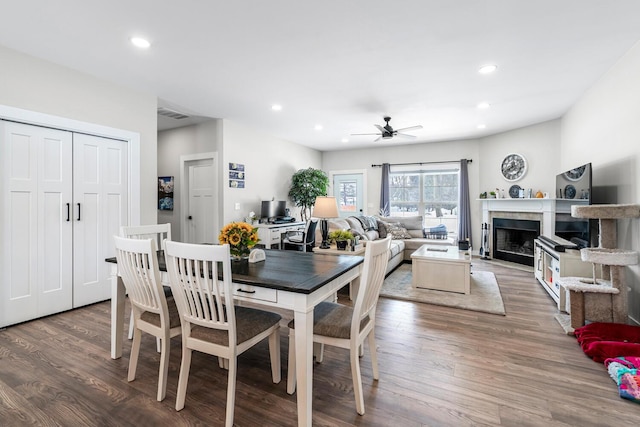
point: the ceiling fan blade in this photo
(365, 134)
(405, 135)
(409, 128)
(380, 128)
(377, 139)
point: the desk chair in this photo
(301, 240)
(151, 311)
(348, 327)
(211, 323)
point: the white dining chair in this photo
(156, 232)
(200, 278)
(347, 327)
(152, 312)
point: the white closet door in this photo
(100, 176)
(36, 185)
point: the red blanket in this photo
(601, 341)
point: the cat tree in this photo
(600, 299)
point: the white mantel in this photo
(545, 207)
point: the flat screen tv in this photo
(574, 187)
(272, 209)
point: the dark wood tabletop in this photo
(301, 272)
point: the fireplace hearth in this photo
(513, 240)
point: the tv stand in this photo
(550, 264)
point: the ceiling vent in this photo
(162, 111)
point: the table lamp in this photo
(325, 207)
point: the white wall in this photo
(540, 146)
(603, 128)
(269, 164)
(36, 85)
(173, 143)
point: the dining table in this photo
(291, 280)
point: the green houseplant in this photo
(306, 185)
(341, 238)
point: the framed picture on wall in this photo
(165, 193)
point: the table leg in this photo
(304, 365)
(117, 315)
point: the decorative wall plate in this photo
(575, 174)
(569, 192)
(514, 191)
(514, 167)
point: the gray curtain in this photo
(385, 208)
(464, 217)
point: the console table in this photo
(270, 235)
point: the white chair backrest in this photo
(376, 259)
(157, 232)
(138, 267)
(202, 297)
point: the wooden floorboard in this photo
(439, 366)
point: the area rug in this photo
(484, 296)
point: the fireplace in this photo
(513, 239)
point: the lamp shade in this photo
(325, 207)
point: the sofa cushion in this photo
(396, 247)
(408, 222)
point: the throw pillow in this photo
(382, 229)
(397, 231)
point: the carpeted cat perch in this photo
(593, 299)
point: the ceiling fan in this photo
(387, 132)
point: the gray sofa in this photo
(407, 234)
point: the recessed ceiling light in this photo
(318, 127)
(481, 126)
(345, 140)
(487, 69)
(276, 107)
(483, 106)
(140, 42)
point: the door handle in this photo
(189, 217)
(78, 211)
(68, 212)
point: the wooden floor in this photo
(438, 367)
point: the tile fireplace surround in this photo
(543, 210)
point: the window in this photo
(432, 193)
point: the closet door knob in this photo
(78, 211)
(68, 212)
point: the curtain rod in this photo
(421, 163)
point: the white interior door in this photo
(100, 206)
(349, 191)
(36, 188)
(202, 205)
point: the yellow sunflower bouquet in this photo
(240, 236)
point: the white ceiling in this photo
(341, 64)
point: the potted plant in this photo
(492, 194)
(341, 237)
(306, 185)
